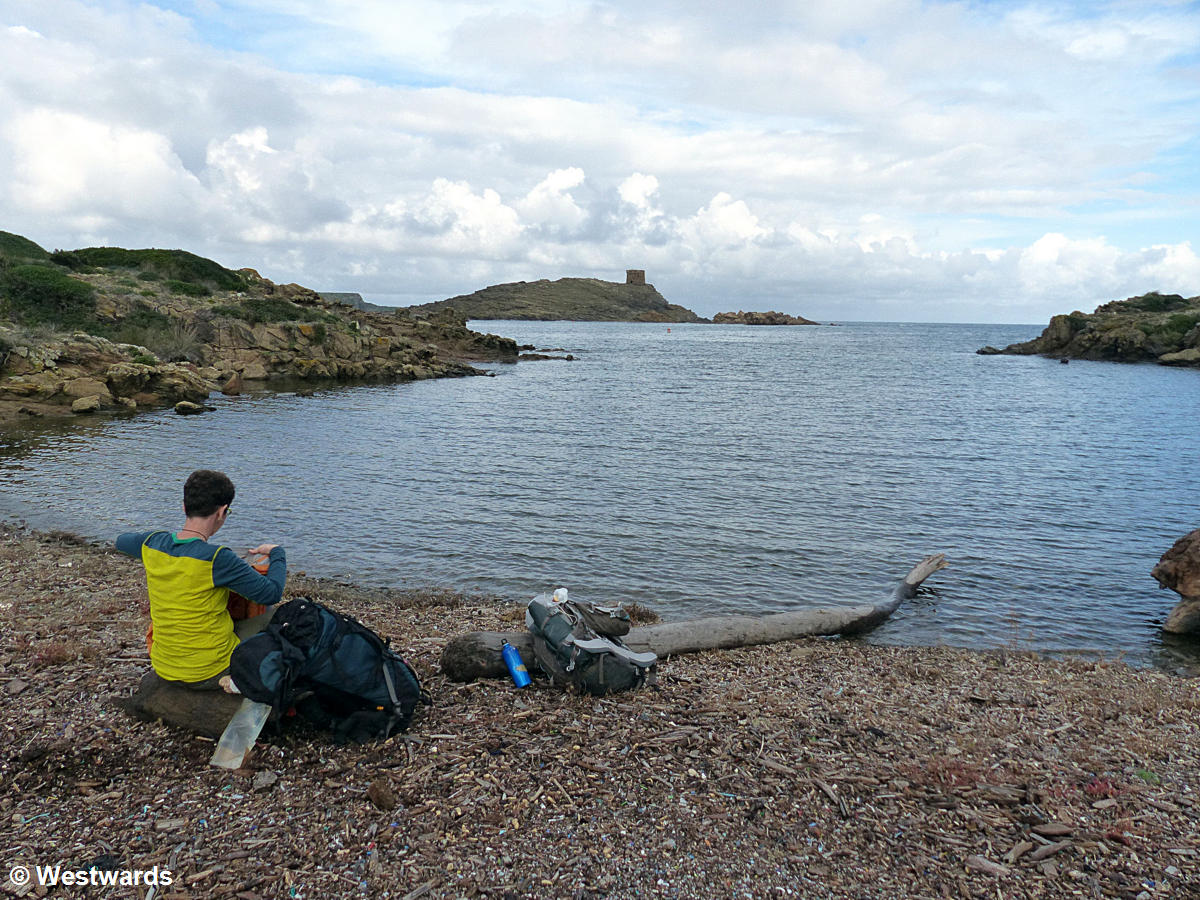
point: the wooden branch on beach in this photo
(204, 712)
(477, 655)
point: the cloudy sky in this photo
(843, 159)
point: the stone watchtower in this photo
(635, 276)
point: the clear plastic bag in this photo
(240, 734)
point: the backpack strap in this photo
(603, 645)
(549, 662)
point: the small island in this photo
(760, 318)
(1162, 328)
(569, 299)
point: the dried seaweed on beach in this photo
(812, 768)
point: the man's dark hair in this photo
(205, 492)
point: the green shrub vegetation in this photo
(179, 343)
(187, 288)
(148, 275)
(1156, 302)
(1182, 323)
(1078, 321)
(20, 249)
(143, 316)
(70, 260)
(173, 264)
(36, 295)
(174, 342)
(170, 339)
(257, 310)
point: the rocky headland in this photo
(567, 299)
(110, 329)
(760, 318)
(1162, 328)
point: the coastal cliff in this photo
(1163, 328)
(760, 318)
(572, 299)
(109, 329)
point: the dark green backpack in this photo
(579, 645)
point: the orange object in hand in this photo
(241, 608)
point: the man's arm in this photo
(236, 574)
(130, 543)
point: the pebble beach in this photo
(811, 768)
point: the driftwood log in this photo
(477, 655)
(204, 712)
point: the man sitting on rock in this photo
(189, 581)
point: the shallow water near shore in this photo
(699, 470)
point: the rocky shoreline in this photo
(1162, 328)
(811, 768)
(206, 338)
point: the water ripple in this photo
(705, 470)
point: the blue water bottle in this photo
(516, 666)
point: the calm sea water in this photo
(699, 470)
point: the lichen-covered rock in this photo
(187, 408)
(1179, 567)
(88, 387)
(276, 336)
(86, 405)
(37, 386)
(1179, 570)
(175, 381)
(1189, 357)
(126, 378)
(296, 293)
(1184, 618)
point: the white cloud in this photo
(465, 223)
(984, 160)
(550, 204)
(725, 223)
(1054, 262)
(638, 190)
(1172, 269)
(67, 165)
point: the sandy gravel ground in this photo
(808, 769)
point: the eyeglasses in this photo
(228, 510)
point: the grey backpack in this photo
(578, 644)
